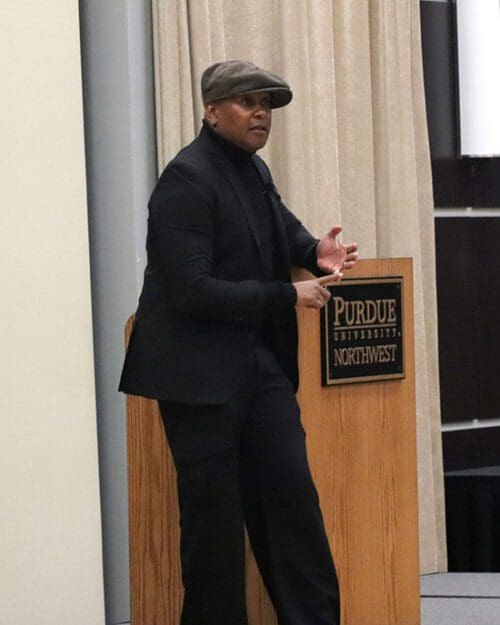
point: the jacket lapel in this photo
(229, 172)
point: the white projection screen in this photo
(478, 39)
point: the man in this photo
(215, 342)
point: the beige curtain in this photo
(351, 148)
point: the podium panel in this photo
(361, 441)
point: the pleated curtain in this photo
(351, 148)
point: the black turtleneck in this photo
(278, 294)
(254, 189)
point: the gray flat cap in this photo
(231, 78)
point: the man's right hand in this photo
(311, 294)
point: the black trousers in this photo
(244, 463)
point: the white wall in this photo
(50, 527)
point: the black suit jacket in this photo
(204, 298)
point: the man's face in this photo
(245, 120)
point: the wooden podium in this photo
(361, 441)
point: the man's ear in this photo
(211, 114)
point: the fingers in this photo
(351, 257)
(311, 294)
(319, 293)
(321, 297)
(335, 231)
(335, 270)
(349, 262)
(350, 247)
(331, 279)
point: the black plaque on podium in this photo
(362, 331)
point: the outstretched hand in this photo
(333, 256)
